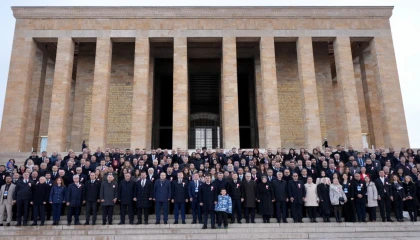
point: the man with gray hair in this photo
(74, 200)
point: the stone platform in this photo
(378, 230)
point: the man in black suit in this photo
(281, 197)
(297, 194)
(208, 199)
(23, 196)
(126, 196)
(92, 187)
(193, 187)
(384, 194)
(234, 190)
(143, 195)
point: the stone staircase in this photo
(377, 230)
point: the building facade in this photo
(188, 77)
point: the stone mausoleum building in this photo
(187, 77)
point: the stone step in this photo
(169, 230)
(395, 231)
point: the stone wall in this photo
(290, 101)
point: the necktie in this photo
(26, 181)
(196, 184)
(93, 181)
(142, 183)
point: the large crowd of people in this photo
(214, 185)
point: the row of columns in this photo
(21, 69)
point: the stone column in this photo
(140, 126)
(389, 92)
(100, 91)
(271, 119)
(16, 103)
(345, 78)
(60, 100)
(180, 94)
(310, 107)
(259, 102)
(229, 96)
(370, 91)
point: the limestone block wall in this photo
(290, 101)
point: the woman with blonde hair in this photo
(338, 198)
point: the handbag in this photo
(341, 200)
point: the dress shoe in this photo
(300, 221)
(121, 223)
(247, 221)
(315, 221)
(25, 224)
(213, 227)
(8, 224)
(252, 221)
(18, 225)
(383, 220)
(68, 224)
(183, 222)
(77, 223)
(204, 227)
(193, 222)
(157, 223)
(131, 223)
(145, 222)
(86, 223)
(239, 222)
(110, 223)
(390, 220)
(233, 221)
(176, 222)
(285, 221)
(103, 224)
(41, 224)
(1, 225)
(165, 222)
(138, 222)
(93, 223)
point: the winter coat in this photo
(265, 195)
(224, 204)
(372, 195)
(336, 191)
(311, 199)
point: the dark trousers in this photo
(73, 211)
(337, 212)
(130, 212)
(56, 211)
(311, 212)
(361, 210)
(48, 208)
(281, 210)
(206, 214)
(107, 212)
(146, 214)
(412, 209)
(177, 208)
(297, 211)
(22, 210)
(398, 208)
(372, 213)
(159, 206)
(249, 211)
(196, 210)
(236, 207)
(222, 217)
(385, 207)
(39, 211)
(348, 211)
(91, 208)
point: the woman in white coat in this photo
(311, 199)
(372, 198)
(338, 198)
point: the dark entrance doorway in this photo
(162, 103)
(204, 93)
(248, 130)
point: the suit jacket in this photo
(297, 191)
(234, 189)
(75, 195)
(23, 190)
(249, 193)
(162, 191)
(40, 193)
(208, 195)
(383, 188)
(92, 190)
(280, 190)
(179, 191)
(126, 192)
(108, 192)
(10, 194)
(143, 193)
(191, 189)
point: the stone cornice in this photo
(200, 12)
